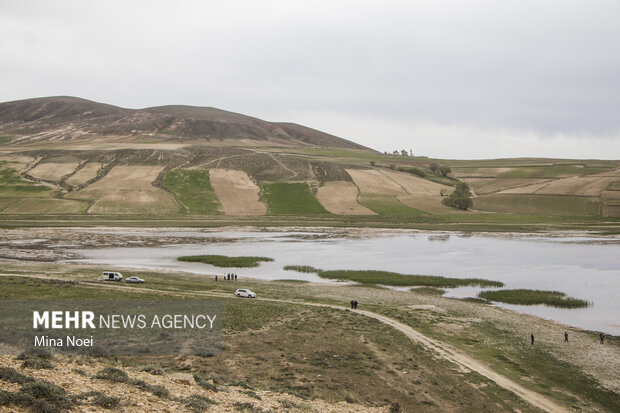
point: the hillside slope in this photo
(65, 118)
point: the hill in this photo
(71, 157)
(64, 118)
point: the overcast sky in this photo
(448, 79)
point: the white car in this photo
(245, 293)
(135, 280)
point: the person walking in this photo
(532, 338)
(235, 277)
(355, 304)
(602, 337)
(216, 278)
(565, 337)
(352, 304)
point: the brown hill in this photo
(68, 118)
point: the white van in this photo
(111, 276)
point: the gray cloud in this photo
(452, 78)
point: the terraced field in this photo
(340, 198)
(193, 189)
(128, 190)
(24, 206)
(53, 171)
(84, 174)
(295, 198)
(236, 192)
(540, 204)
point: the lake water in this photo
(582, 267)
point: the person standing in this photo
(565, 337)
(602, 337)
(216, 278)
(532, 338)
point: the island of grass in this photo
(403, 280)
(533, 297)
(301, 268)
(225, 261)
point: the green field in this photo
(566, 205)
(552, 171)
(13, 185)
(402, 280)
(388, 205)
(193, 188)
(533, 297)
(225, 261)
(290, 199)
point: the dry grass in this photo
(128, 190)
(53, 171)
(340, 197)
(41, 206)
(88, 172)
(415, 185)
(483, 186)
(371, 181)
(236, 192)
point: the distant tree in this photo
(444, 170)
(372, 163)
(404, 153)
(460, 198)
(433, 166)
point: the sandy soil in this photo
(128, 190)
(372, 181)
(53, 171)
(340, 198)
(237, 193)
(88, 172)
(42, 206)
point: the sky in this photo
(459, 79)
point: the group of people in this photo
(601, 337)
(228, 277)
(354, 304)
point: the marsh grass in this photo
(301, 268)
(403, 280)
(224, 261)
(533, 297)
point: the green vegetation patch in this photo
(533, 297)
(291, 199)
(225, 261)
(388, 205)
(193, 188)
(5, 139)
(551, 171)
(38, 395)
(13, 185)
(301, 268)
(539, 204)
(614, 186)
(402, 280)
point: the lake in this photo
(582, 267)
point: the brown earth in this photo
(340, 197)
(53, 171)
(237, 193)
(128, 190)
(85, 174)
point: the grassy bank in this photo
(403, 280)
(533, 297)
(225, 261)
